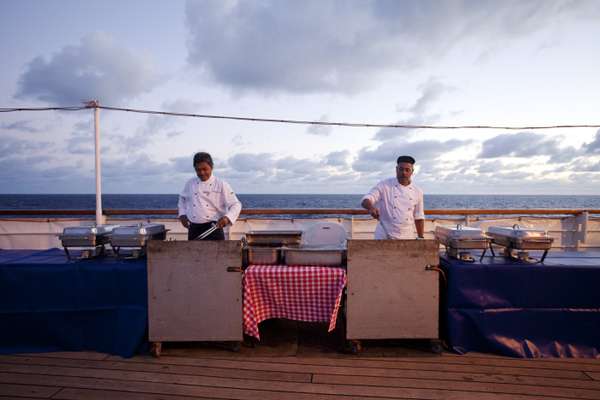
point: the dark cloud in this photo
(98, 68)
(20, 126)
(387, 153)
(527, 144)
(390, 133)
(340, 46)
(13, 147)
(594, 146)
(430, 92)
(247, 162)
(337, 158)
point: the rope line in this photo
(93, 104)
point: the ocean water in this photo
(169, 201)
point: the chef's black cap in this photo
(406, 159)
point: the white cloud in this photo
(341, 46)
(98, 68)
(527, 144)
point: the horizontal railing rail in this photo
(304, 211)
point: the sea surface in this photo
(169, 201)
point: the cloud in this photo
(431, 91)
(321, 130)
(337, 158)
(337, 46)
(247, 162)
(527, 144)
(388, 152)
(594, 146)
(97, 68)
(20, 126)
(12, 147)
(390, 133)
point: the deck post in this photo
(99, 216)
(581, 222)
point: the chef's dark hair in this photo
(406, 159)
(203, 157)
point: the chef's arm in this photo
(368, 205)
(420, 225)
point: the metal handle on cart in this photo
(430, 267)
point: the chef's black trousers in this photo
(196, 230)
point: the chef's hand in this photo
(184, 221)
(374, 211)
(223, 222)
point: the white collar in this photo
(206, 182)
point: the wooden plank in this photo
(243, 366)
(390, 293)
(93, 394)
(243, 389)
(191, 296)
(161, 388)
(460, 386)
(31, 391)
(224, 370)
(297, 364)
(79, 355)
(593, 375)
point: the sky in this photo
(451, 63)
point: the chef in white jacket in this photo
(397, 204)
(206, 200)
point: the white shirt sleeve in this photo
(374, 194)
(233, 206)
(419, 212)
(183, 200)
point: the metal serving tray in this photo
(86, 236)
(313, 256)
(137, 235)
(274, 238)
(447, 232)
(263, 255)
(520, 238)
(461, 237)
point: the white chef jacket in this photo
(399, 206)
(207, 201)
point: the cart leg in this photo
(235, 346)
(155, 349)
(436, 346)
(354, 346)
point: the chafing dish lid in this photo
(517, 232)
(458, 232)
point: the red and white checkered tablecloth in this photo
(301, 293)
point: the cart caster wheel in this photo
(436, 347)
(155, 349)
(235, 347)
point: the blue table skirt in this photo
(48, 303)
(524, 310)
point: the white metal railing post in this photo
(99, 217)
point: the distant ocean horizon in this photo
(279, 201)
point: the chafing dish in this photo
(518, 238)
(315, 255)
(273, 238)
(136, 237)
(458, 239)
(91, 238)
(263, 255)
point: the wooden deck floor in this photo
(287, 371)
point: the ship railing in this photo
(38, 229)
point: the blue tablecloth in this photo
(512, 308)
(48, 303)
